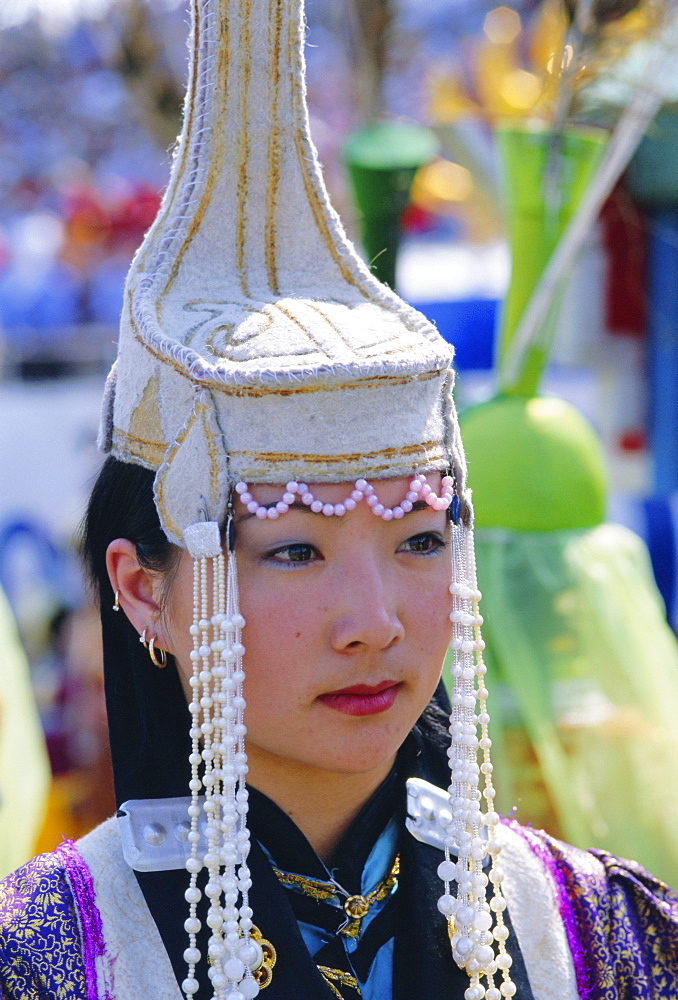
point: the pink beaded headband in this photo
(419, 490)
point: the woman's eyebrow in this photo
(298, 505)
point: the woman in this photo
(285, 525)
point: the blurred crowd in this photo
(79, 180)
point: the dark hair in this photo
(147, 714)
(121, 505)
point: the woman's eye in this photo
(425, 543)
(298, 552)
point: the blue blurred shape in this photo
(469, 324)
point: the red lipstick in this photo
(362, 699)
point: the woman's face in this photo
(347, 627)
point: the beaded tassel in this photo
(477, 930)
(218, 748)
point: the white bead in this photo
(252, 954)
(492, 994)
(447, 905)
(190, 986)
(484, 955)
(476, 992)
(500, 932)
(464, 947)
(507, 989)
(192, 925)
(234, 969)
(193, 894)
(249, 989)
(192, 956)
(465, 915)
(483, 921)
(447, 870)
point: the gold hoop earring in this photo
(116, 603)
(142, 638)
(158, 656)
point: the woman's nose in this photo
(366, 613)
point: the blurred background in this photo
(411, 104)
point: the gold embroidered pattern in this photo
(40, 945)
(355, 907)
(332, 976)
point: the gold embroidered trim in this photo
(355, 907)
(332, 976)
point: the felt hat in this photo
(255, 344)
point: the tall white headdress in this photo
(256, 347)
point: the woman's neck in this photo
(322, 804)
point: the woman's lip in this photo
(362, 699)
(365, 688)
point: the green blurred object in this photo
(544, 177)
(382, 160)
(534, 464)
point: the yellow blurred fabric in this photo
(24, 766)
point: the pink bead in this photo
(261, 513)
(281, 506)
(387, 515)
(307, 498)
(292, 486)
(245, 497)
(360, 484)
(415, 485)
(340, 509)
(357, 495)
(372, 500)
(439, 504)
(406, 505)
(377, 508)
(447, 482)
(272, 513)
(241, 487)
(350, 503)
(302, 488)
(425, 489)
(288, 497)
(412, 497)
(327, 509)
(253, 506)
(316, 506)
(369, 490)
(398, 512)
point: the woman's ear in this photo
(136, 588)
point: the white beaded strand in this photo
(218, 747)
(419, 489)
(194, 865)
(470, 916)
